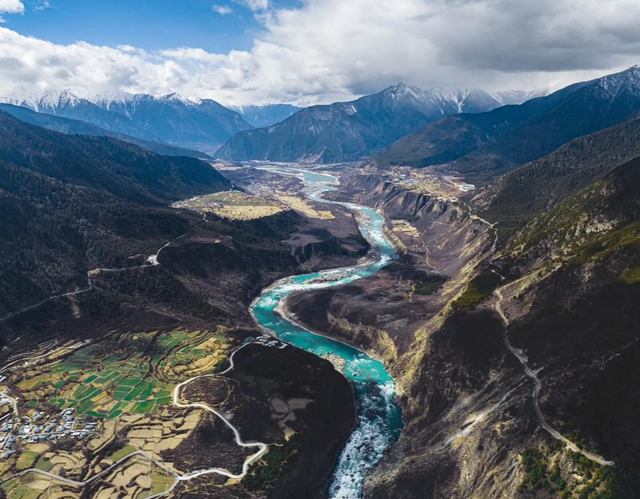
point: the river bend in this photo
(379, 417)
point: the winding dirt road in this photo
(152, 261)
(262, 448)
(537, 385)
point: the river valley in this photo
(379, 417)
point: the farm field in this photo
(137, 479)
(243, 206)
(303, 206)
(103, 402)
(124, 373)
(234, 205)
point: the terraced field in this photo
(124, 373)
(126, 380)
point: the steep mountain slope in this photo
(588, 224)
(498, 356)
(452, 137)
(176, 119)
(598, 105)
(535, 187)
(77, 127)
(574, 312)
(110, 165)
(266, 115)
(54, 231)
(350, 130)
(482, 147)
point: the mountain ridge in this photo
(70, 126)
(116, 167)
(348, 131)
(171, 118)
(530, 189)
(483, 146)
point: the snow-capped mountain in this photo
(347, 131)
(514, 97)
(444, 101)
(175, 118)
(171, 118)
(624, 82)
(483, 146)
(66, 104)
(47, 100)
(265, 115)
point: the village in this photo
(41, 427)
(267, 341)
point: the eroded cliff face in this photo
(450, 367)
(449, 318)
(440, 245)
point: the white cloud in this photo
(43, 5)
(335, 49)
(223, 10)
(10, 7)
(254, 5)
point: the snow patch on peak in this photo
(510, 97)
(106, 98)
(626, 80)
(110, 98)
(402, 91)
(41, 100)
(176, 97)
(453, 96)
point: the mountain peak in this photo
(629, 80)
(109, 96)
(176, 97)
(401, 91)
(38, 100)
(66, 97)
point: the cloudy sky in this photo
(310, 51)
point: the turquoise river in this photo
(379, 417)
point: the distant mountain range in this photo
(265, 115)
(77, 127)
(192, 123)
(174, 118)
(483, 146)
(348, 131)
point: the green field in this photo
(229, 198)
(26, 460)
(14, 489)
(125, 373)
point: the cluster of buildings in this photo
(41, 427)
(268, 341)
